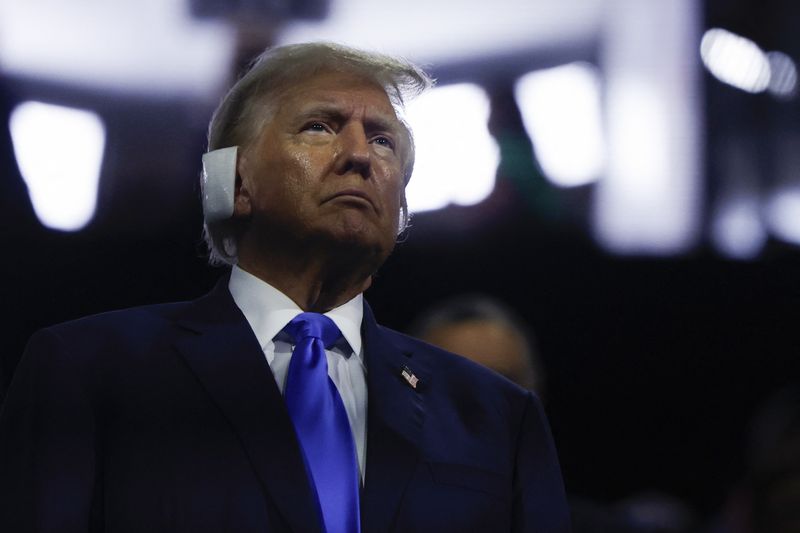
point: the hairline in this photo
(261, 107)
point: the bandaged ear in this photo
(219, 184)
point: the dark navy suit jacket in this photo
(166, 418)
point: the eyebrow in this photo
(380, 121)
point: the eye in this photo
(382, 140)
(318, 127)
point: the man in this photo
(195, 416)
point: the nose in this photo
(354, 151)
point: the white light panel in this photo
(783, 214)
(59, 151)
(648, 202)
(783, 75)
(737, 230)
(560, 108)
(735, 60)
(143, 46)
(445, 30)
(456, 157)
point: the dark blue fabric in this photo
(167, 419)
(320, 419)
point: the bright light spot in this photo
(737, 229)
(146, 46)
(783, 214)
(648, 199)
(561, 111)
(442, 31)
(59, 151)
(735, 60)
(456, 157)
(640, 205)
(783, 81)
(641, 132)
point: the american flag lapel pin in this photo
(410, 377)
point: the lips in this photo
(356, 196)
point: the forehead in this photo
(342, 91)
(331, 93)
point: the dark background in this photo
(655, 366)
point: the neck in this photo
(319, 283)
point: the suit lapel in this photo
(225, 356)
(395, 414)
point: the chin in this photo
(358, 240)
(358, 233)
(361, 241)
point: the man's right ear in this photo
(219, 184)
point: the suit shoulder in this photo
(122, 317)
(131, 326)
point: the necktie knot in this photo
(313, 325)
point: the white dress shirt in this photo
(268, 310)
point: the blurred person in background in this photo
(276, 402)
(768, 498)
(490, 333)
(775, 464)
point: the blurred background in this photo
(622, 174)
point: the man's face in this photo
(326, 168)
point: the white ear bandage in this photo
(219, 184)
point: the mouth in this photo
(355, 197)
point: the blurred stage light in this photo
(648, 201)
(737, 230)
(146, 46)
(59, 151)
(456, 157)
(735, 60)
(783, 78)
(783, 214)
(561, 111)
(444, 31)
(643, 205)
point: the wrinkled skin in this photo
(321, 187)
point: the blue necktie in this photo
(321, 422)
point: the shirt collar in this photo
(268, 310)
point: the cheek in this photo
(400, 189)
(302, 163)
(397, 208)
(303, 168)
(284, 179)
